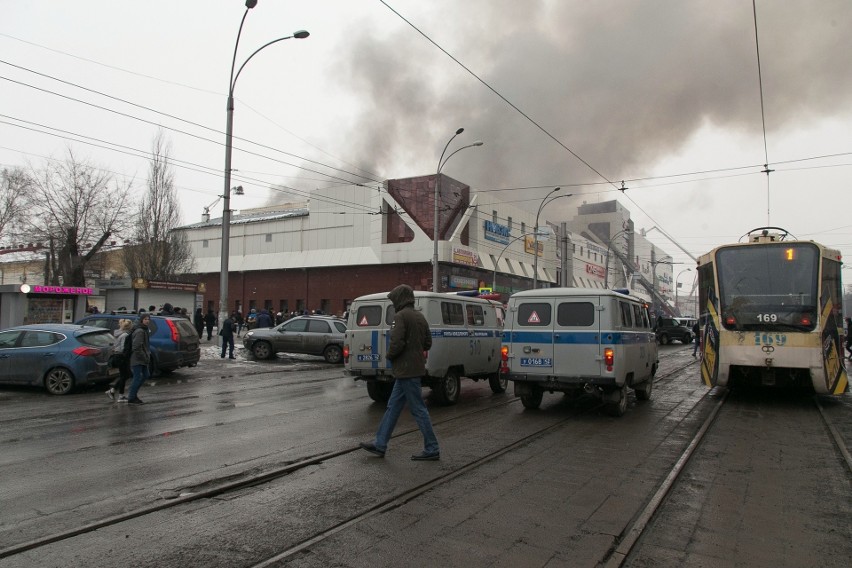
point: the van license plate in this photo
(371, 357)
(536, 362)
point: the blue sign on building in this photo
(497, 233)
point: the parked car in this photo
(311, 335)
(58, 357)
(173, 340)
(668, 329)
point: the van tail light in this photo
(345, 353)
(609, 356)
(84, 351)
(504, 358)
(174, 331)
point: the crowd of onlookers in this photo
(210, 321)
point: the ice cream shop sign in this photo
(63, 290)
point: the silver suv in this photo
(311, 335)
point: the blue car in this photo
(173, 340)
(58, 357)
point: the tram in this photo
(772, 314)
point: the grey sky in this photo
(638, 89)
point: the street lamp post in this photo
(677, 285)
(608, 248)
(535, 240)
(435, 235)
(229, 139)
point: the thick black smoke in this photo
(621, 83)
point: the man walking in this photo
(227, 333)
(140, 358)
(410, 339)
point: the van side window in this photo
(452, 313)
(575, 314)
(389, 314)
(626, 314)
(534, 314)
(646, 318)
(368, 316)
(475, 315)
(637, 316)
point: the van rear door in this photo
(577, 336)
(369, 335)
(532, 337)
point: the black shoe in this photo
(426, 456)
(231, 357)
(371, 447)
(224, 357)
(135, 401)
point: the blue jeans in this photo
(140, 375)
(407, 390)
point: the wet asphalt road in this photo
(560, 500)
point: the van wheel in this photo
(262, 350)
(380, 392)
(664, 339)
(498, 383)
(643, 391)
(616, 401)
(532, 399)
(448, 388)
(333, 354)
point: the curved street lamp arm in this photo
(441, 159)
(234, 80)
(234, 59)
(454, 152)
(497, 263)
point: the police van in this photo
(465, 343)
(577, 340)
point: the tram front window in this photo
(771, 286)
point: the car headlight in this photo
(249, 334)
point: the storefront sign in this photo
(497, 233)
(182, 286)
(467, 257)
(464, 282)
(595, 270)
(65, 290)
(529, 246)
(141, 283)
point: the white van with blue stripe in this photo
(577, 340)
(466, 335)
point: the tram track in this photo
(235, 482)
(836, 437)
(621, 553)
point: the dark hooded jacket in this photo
(141, 350)
(410, 336)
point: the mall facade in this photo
(353, 240)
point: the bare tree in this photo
(14, 189)
(75, 208)
(159, 252)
